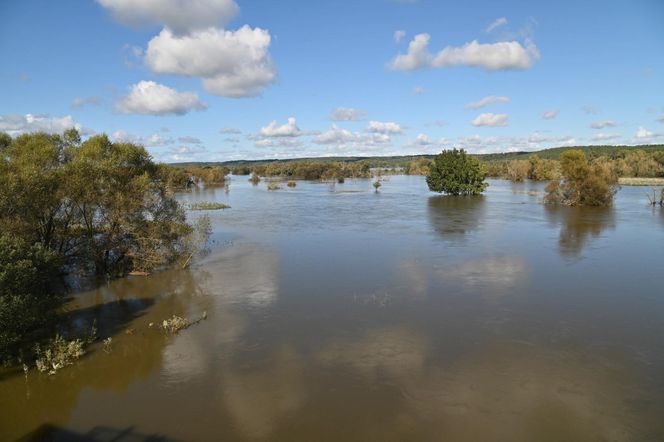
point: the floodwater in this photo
(335, 313)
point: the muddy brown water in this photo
(335, 313)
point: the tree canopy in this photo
(456, 173)
(584, 183)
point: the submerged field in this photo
(333, 312)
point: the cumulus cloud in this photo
(289, 129)
(18, 124)
(347, 114)
(399, 35)
(550, 114)
(85, 101)
(150, 98)
(179, 15)
(419, 90)
(487, 101)
(642, 133)
(606, 136)
(384, 127)
(502, 21)
(603, 124)
(503, 55)
(359, 142)
(154, 140)
(231, 63)
(489, 119)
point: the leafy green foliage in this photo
(456, 173)
(27, 297)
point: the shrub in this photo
(377, 185)
(291, 184)
(455, 173)
(517, 170)
(583, 183)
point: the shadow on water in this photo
(454, 217)
(52, 433)
(578, 225)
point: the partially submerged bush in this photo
(455, 173)
(255, 179)
(377, 185)
(291, 184)
(517, 170)
(272, 185)
(583, 183)
(58, 353)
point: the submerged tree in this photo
(584, 183)
(102, 205)
(455, 173)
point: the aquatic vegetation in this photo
(58, 353)
(208, 205)
(291, 183)
(376, 185)
(272, 185)
(176, 323)
(255, 178)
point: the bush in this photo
(27, 296)
(455, 173)
(584, 183)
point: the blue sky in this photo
(236, 79)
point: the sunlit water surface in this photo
(337, 313)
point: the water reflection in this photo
(491, 275)
(578, 225)
(454, 217)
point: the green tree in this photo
(27, 297)
(455, 173)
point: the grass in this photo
(207, 205)
(641, 181)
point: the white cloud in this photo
(179, 15)
(154, 140)
(502, 21)
(603, 124)
(85, 101)
(486, 101)
(398, 35)
(231, 63)
(661, 119)
(550, 114)
(18, 124)
(419, 90)
(150, 98)
(339, 136)
(606, 136)
(501, 55)
(642, 133)
(489, 119)
(289, 129)
(384, 127)
(347, 114)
